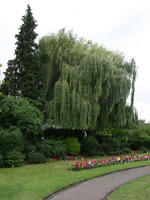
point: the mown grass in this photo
(138, 189)
(34, 182)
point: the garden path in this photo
(99, 188)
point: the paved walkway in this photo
(98, 188)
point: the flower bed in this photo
(89, 164)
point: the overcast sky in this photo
(116, 24)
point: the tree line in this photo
(77, 84)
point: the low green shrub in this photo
(126, 150)
(114, 141)
(143, 149)
(89, 145)
(36, 158)
(59, 150)
(140, 138)
(44, 148)
(52, 148)
(13, 158)
(29, 148)
(73, 145)
(11, 139)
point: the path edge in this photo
(80, 182)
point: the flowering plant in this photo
(85, 164)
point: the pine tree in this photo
(22, 75)
(25, 61)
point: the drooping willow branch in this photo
(86, 85)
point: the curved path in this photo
(98, 188)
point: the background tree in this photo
(9, 86)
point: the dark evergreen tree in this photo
(22, 75)
(25, 61)
(9, 85)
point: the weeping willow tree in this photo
(86, 86)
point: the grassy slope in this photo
(34, 182)
(138, 189)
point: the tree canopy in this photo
(85, 84)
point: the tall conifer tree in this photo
(22, 77)
(26, 56)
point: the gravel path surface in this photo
(98, 188)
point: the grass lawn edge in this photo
(104, 174)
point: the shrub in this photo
(1, 161)
(29, 148)
(16, 111)
(89, 145)
(143, 150)
(52, 148)
(140, 137)
(73, 145)
(11, 139)
(59, 150)
(126, 150)
(113, 141)
(44, 148)
(13, 158)
(36, 158)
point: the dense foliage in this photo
(86, 85)
(11, 139)
(73, 145)
(19, 112)
(89, 145)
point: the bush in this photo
(89, 145)
(126, 150)
(73, 145)
(140, 138)
(11, 139)
(59, 150)
(52, 148)
(16, 111)
(1, 161)
(143, 150)
(113, 141)
(13, 158)
(29, 148)
(44, 148)
(36, 158)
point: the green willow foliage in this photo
(86, 85)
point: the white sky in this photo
(117, 25)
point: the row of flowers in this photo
(89, 164)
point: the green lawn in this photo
(34, 182)
(138, 189)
